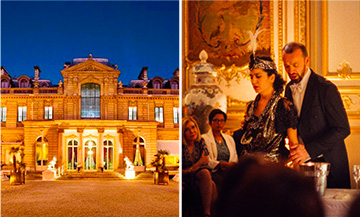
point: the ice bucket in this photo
(319, 172)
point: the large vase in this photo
(203, 95)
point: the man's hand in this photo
(298, 154)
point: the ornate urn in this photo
(203, 95)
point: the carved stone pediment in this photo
(91, 79)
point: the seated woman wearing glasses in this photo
(222, 151)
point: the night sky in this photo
(130, 34)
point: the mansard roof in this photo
(77, 61)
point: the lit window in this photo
(3, 114)
(72, 154)
(132, 113)
(90, 101)
(108, 155)
(41, 149)
(21, 113)
(90, 155)
(48, 113)
(176, 115)
(159, 114)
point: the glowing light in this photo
(129, 174)
(129, 171)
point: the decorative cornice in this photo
(280, 35)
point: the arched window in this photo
(174, 85)
(90, 101)
(139, 151)
(72, 154)
(41, 155)
(23, 83)
(5, 83)
(156, 84)
(108, 155)
(90, 155)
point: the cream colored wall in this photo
(344, 34)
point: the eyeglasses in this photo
(218, 121)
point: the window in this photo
(139, 151)
(90, 155)
(132, 113)
(41, 156)
(176, 115)
(174, 85)
(48, 113)
(108, 155)
(157, 84)
(21, 113)
(3, 114)
(4, 83)
(24, 83)
(90, 101)
(159, 114)
(72, 154)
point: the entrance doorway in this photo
(41, 155)
(90, 155)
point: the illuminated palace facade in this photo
(89, 121)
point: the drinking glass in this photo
(356, 174)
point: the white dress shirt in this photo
(298, 91)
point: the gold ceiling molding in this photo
(296, 21)
(280, 34)
(303, 19)
(272, 52)
(231, 102)
(231, 72)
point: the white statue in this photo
(52, 163)
(129, 165)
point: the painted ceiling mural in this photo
(221, 28)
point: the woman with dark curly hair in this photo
(270, 118)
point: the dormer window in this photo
(157, 84)
(174, 85)
(5, 83)
(23, 83)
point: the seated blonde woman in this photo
(195, 171)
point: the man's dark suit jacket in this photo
(323, 125)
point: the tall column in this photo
(100, 156)
(120, 148)
(61, 149)
(80, 148)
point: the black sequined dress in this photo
(266, 133)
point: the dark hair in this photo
(255, 188)
(215, 112)
(354, 210)
(292, 46)
(279, 81)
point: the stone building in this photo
(89, 120)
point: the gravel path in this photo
(90, 197)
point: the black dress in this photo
(266, 133)
(189, 159)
